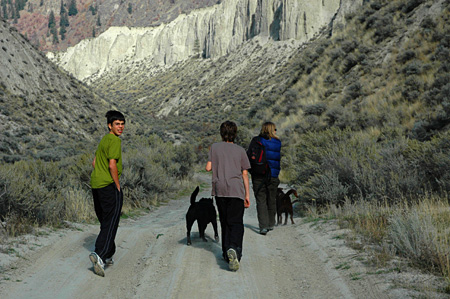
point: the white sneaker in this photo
(234, 262)
(99, 266)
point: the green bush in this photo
(335, 165)
(43, 192)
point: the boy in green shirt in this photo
(108, 196)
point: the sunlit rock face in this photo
(209, 33)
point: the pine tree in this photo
(93, 9)
(98, 21)
(130, 8)
(93, 31)
(64, 21)
(54, 32)
(51, 20)
(5, 9)
(62, 10)
(73, 8)
(52, 26)
(12, 11)
(55, 36)
(19, 5)
(62, 31)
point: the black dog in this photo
(204, 212)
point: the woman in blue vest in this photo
(265, 186)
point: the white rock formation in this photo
(210, 32)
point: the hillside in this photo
(91, 17)
(371, 73)
(45, 113)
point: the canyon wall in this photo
(209, 33)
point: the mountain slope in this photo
(369, 73)
(44, 112)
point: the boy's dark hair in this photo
(228, 131)
(113, 115)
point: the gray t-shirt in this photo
(228, 160)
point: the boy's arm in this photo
(247, 188)
(93, 162)
(114, 172)
(208, 166)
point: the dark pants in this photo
(108, 203)
(265, 191)
(231, 215)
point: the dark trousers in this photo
(265, 191)
(231, 215)
(108, 203)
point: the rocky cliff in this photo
(209, 33)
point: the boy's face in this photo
(116, 127)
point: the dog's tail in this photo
(194, 195)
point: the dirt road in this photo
(153, 261)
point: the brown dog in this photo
(284, 205)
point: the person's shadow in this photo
(89, 242)
(252, 227)
(213, 246)
(89, 245)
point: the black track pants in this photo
(231, 215)
(108, 203)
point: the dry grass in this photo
(417, 231)
(48, 193)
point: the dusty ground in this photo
(153, 261)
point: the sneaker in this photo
(263, 231)
(109, 261)
(234, 262)
(99, 266)
(270, 228)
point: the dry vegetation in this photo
(417, 232)
(36, 192)
(363, 114)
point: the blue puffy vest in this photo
(273, 154)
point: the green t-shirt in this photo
(108, 148)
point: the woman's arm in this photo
(208, 166)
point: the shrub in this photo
(406, 56)
(40, 192)
(413, 68)
(349, 62)
(345, 164)
(411, 5)
(349, 46)
(315, 109)
(412, 234)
